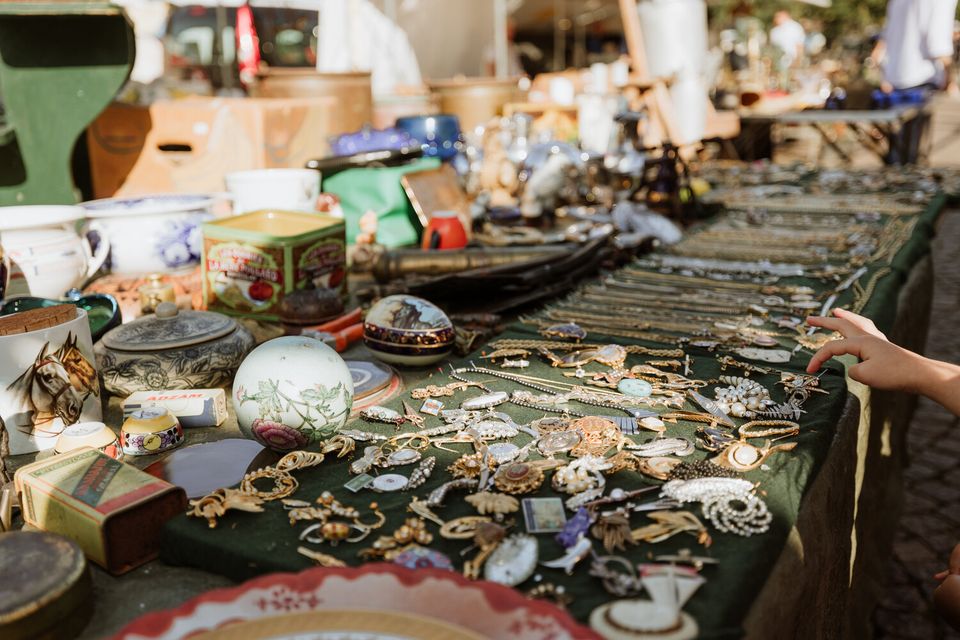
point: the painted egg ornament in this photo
(292, 391)
(407, 330)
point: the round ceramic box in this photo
(90, 434)
(407, 330)
(49, 378)
(150, 430)
(172, 349)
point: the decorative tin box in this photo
(114, 511)
(47, 590)
(250, 261)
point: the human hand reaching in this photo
(953, 565)
(882, 365)
(847, 323)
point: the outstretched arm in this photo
(884, 365)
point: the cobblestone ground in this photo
(930, 523)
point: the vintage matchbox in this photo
(114, 511)
(192, 407)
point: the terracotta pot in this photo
(352, 90)
(476, 100)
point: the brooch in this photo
(518, 478)
(513, 561)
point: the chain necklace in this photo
(640, 276)
(582, 396)
(862, 294)
(512, 343)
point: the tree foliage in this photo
(842, 19)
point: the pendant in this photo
(580, 550)
(389, 482)
(401, 457)
(773, 356)
(485, 401)
(743, 456)
(513, 561)
(658, 467)
(417, 557)
(636, 388)
(566, 331)
(518, 478)
(558, 442)
(382, 414)
(663, 447)
(503, 452)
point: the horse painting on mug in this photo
(55, 386)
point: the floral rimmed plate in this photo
(485, 609)
(355, 624)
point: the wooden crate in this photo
(188, 145)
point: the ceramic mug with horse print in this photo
(49, 381)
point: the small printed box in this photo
(192, 407)
(250, 261)
(114, 511)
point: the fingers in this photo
(864, 325)
(831, 349)
(941, 576)
(844, 327)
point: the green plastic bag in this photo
(379, 189)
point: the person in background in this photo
(915, 52)
(916, 48)
(885, 366)
(788, 36)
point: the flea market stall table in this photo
(892, 146)
(830, 497)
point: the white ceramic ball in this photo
(292, 391)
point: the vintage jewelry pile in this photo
(591, 444)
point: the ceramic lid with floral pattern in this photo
(169, 328)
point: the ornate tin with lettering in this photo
(114, 511)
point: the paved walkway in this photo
(930, 523)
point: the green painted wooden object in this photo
(60, 65)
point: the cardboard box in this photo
(189, 145)
(192, 407)
(112, 510)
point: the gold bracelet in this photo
(780, 428)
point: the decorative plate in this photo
(348, 624)
(483, 608)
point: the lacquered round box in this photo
(407, 330)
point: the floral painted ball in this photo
(292, 391)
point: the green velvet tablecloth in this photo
(246, 545)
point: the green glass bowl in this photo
(102, 309)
